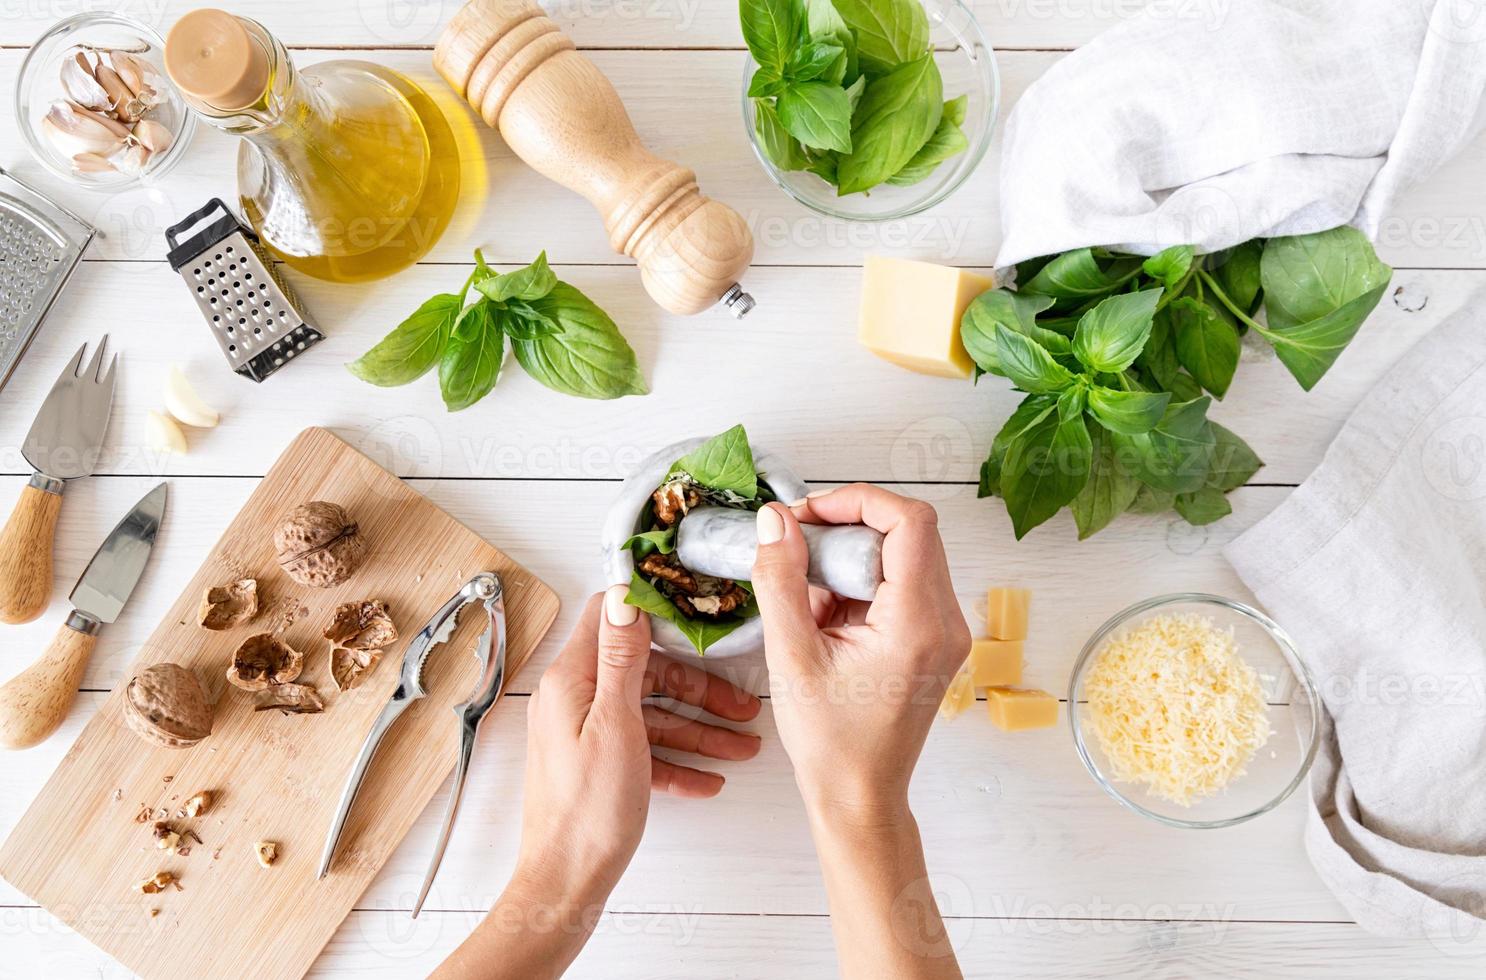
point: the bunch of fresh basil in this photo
(1116, 351)
(559, 336)
(722, 468)
(848, 90)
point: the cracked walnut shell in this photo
(362, 626)
(262, 661)
(349, 668)
(291, 699)
(226, 606)
(166, 705)
(318, 544)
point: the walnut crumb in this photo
(267, 852)
(143, 816)
(198, 804)
(154, 913)
(166, 838)
(157, 883)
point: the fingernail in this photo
(616, 611)
(770, 526)
(797, 503)
(817, 493)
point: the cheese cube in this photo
(996, 663)
(1006, 613)
(959, 696)
(1015, 710)
(911, 314)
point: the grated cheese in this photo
(1176, 708)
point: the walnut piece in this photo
(226, 606)
(318, 544)
(267, 852)
(262, 661)
(166, 705)
(156, 883)
(348, 668)
(166, 839)
(362, 626)
(291, 699)
(673, 499)
(198, 804)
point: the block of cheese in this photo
(1006, 613)
(959, 696)
(1016, 710)
(996, 663)
(911, 314)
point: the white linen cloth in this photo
(1377, 567)
(1211, 122)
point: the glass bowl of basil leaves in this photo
(867, 110)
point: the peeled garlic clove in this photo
(92, 163)
(182, 401)
(73, 130)
(153, 135)
(162, 434)
(81, 85)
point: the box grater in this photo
(255, 316)
(41, 243)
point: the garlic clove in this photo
(80, 84)
(91, 163)
(182, 402)
(121, 100)
(131, 159)
(140, 76)
(162, 434)
(153, 135)
(73, 130)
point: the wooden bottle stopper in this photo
(559, 113)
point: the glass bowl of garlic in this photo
(95, 105)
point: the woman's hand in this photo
(855, 687)
(589, 775)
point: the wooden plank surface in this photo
(274, 777)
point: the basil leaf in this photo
(888, 32)
(814, 60)
(1152, 501)
(525, 322)
(472, 361)
(412, 347)
(724, 462)
(1183, 388)
(779, 146)
(1177, 454)
(947, 140)
(1234, 463)
(771, 29)
(823, 165)
(1307, 277)
(662, 540)
(701, 632)
(1029, 366)
(897, 115)
(1203, 507)
(1158, 357)
(1073, 401)
(1237, 274)
(1206, 343)
(1045, 468)
(1111, 335)
(824, 23)
(854, 93)
(532, 282)
(1110, 489)
(817, 114)
(588, 357)
(1014, 311)
(1077, 275)
(1128, 412)
(954, 109)
(765, 82)
(1169, 265)
(1309, 349)
(1033, 409)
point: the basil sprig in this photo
(848, 90)
(1121, 356)
(558, 335)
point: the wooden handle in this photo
(26, 555)
(559, 113)
(34, 702)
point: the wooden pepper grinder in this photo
(559, 113)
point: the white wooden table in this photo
(1038, 873)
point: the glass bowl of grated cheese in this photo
(1194, 710)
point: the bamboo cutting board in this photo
(83, 845)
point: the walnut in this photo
(291, 699)
(713, 606)
(318, 545)
(267, 852)
(166, 839)
(349, 668)
(670, 569)
(226, 606)
(166, 705)
(362, 626)
(198, 804)
(262, 661)
(672, 500)
(156, 883)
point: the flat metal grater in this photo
(255, 316)
(41, 243)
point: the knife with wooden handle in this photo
(62, 445)
(35, 701)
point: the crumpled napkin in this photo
(1256, 118)
(1376, 566)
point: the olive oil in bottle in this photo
(347, 170)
